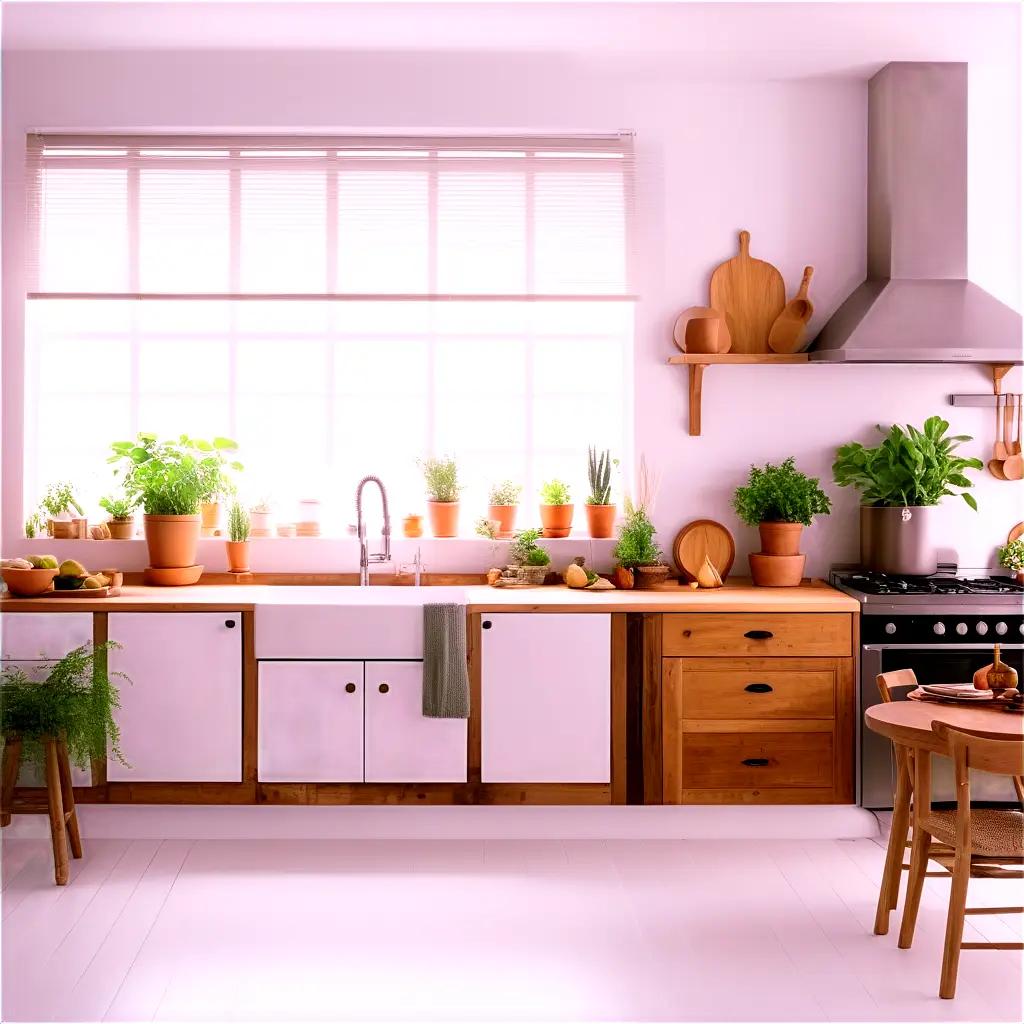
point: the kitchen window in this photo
(339, 306)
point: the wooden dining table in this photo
(908, 723)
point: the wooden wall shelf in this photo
(696, 363)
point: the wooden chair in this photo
(60, 799)
(983, 841)
(889, 891)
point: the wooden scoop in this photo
(1013, 467)
(787, 333)
(999, 453)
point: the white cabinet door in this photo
(27, 636)
(311, 721)
(402, 745)
(181, 715)
(546, 698)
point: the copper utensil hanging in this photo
(1013, 467)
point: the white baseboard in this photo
(149, 821)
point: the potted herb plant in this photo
(780, 501)
(215, 466)
(637, 550)
(1012, 557)
(75, 701)
(170, 482)
(58, 503)
(503, 501)
(555, 509)
(122, 519)
(529, 560)
(443, 489)
(238, 538)
(901, 481)
(600, 511)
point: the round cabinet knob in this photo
(939, 629)
(383, 687)
(890, 628)
(350, 687)
(230, 623)
(981, 628)
(961, 628)
(1001, 628)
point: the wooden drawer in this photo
(728, 634)
(755, 688)
(756, 760)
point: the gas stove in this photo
(974, 605)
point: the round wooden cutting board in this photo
(1016, 533)
(703, 538)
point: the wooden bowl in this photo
(181, 577)
(28, 582)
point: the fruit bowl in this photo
(28, 582)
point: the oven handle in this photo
(942, 647)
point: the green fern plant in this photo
(555, 492)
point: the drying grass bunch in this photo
(442, 479)
(76, 701)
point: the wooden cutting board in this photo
(703, 538)
(751, 294)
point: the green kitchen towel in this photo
(445, 677)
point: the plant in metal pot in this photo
(900, 481)
(441, 476)
(238, 538)
(72, 700)
(555, 508)
(168, 480)
(599, 507)
(502, 504)
(122, 515)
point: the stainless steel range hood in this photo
(917, 305)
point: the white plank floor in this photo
(482, 929)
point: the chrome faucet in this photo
(365, 558)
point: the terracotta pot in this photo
(780, 538)
(412, 526)
(702, 334)
(647, 577)
(210, 512)
(121, 529)
(260, 525)
(777, 570)
(556, 520)
(600, 520)
(444, 518)
(505, 517)
(172, 540)
(238, 555)
(623, 578)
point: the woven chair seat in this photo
(994, 833)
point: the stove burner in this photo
(879, 583)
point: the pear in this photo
(69, 567)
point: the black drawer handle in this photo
(383, 687)
(230, 623)
(756, 762)
(486, 624)
(758, 687)
(758, 634)
(350, 687)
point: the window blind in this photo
(371, 218)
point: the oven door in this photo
(937, 663)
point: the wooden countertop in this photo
(738, 595)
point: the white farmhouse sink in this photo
(361, 623)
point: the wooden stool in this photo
(60, 799)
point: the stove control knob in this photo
(982, 628)
(890, 628)
(939, 629)
(961, 628)
(1001, 628)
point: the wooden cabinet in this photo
(546, 698)
(181, 713)
(773, 726)
(311, 721)
(401, 744)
